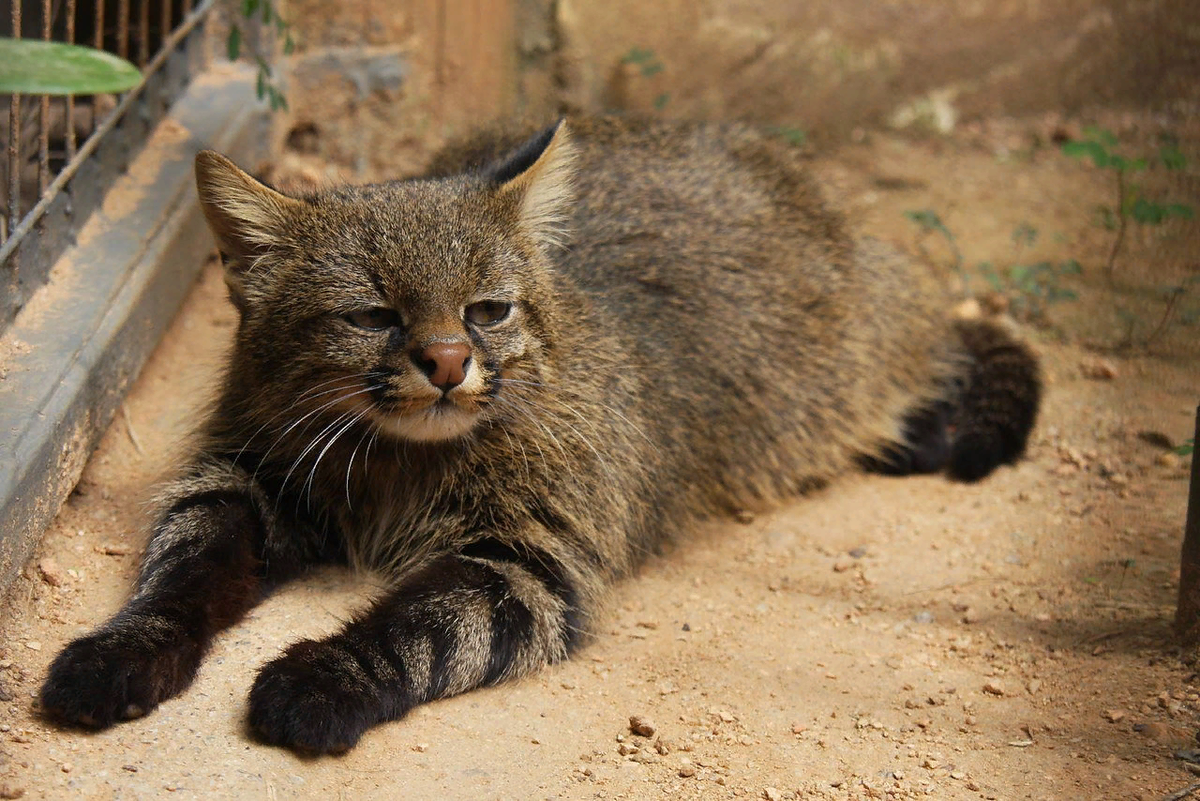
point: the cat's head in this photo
(404, 305)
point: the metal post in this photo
(1187, 614)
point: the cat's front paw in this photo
(316, 698)
(114, 675)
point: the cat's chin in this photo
(435, 424)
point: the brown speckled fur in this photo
(692, 332)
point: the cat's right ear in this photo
(246, 216)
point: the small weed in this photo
(648, 66)
(1187, 448)
(1129, 202)
(929, 222)
(1031, 288)
(269, 15)
(797, 137)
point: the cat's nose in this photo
(445, 363)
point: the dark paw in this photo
(315, 698)
(115, 675)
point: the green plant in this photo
(797, 137)
(1031, 288)
(648, 66)
(270, 18)
(1129, 202)
(1187, 448)
(929, 222)
(1173, 313)
(36, 67)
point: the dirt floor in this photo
(885, 638)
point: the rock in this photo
(1114, 715)
(642, 726)
(625, 749)
(115, 549)
(1098, 369)
(51, 573)
(1167, 460)
(11, 791)
(1033, 686)
(771, 794)
(687, 771)
(1165, 733)
(994, 687)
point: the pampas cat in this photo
(503, 384)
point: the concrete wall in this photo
(373, 77)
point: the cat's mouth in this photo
(432, 419)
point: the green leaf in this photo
(289, 45)
(1187, 448)
(926, 218)
(233, 45)
(1172, 157)
(266, 12)
(1024, 234)
(35, 67)
(1147, 212)
(651, 69)
(1101, 135)
(637, 55)
(661, 101)
(1181, 210)
(249, 7)
(260, 85)
(1093, 150)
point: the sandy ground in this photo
(885, 638)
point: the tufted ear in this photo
(246, 216)
(540, 172)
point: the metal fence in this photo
(62, 153)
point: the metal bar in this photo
(1187, 612)
(143, 32)
(164, 26)
(123, 29)
(43, 171)
(14, 141)
(17, 233)
(70, 119)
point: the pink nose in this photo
(445, 363)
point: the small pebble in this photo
(1098, 369)
(66, 767)
(1114, 715)
(771, 794)
(1167, 460)
(11, 791)
(51, 573)
(687, 771)
(642, 726)
(33, 645)
(994, 688)
(115, 549)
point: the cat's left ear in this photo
(246, 217)
(540, 173)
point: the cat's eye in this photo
(376, 318)
(488, 312)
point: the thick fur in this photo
(665, 323)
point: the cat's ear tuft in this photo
(541, 174)
(246, 216)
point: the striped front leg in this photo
(204, 568)
(489, 613)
